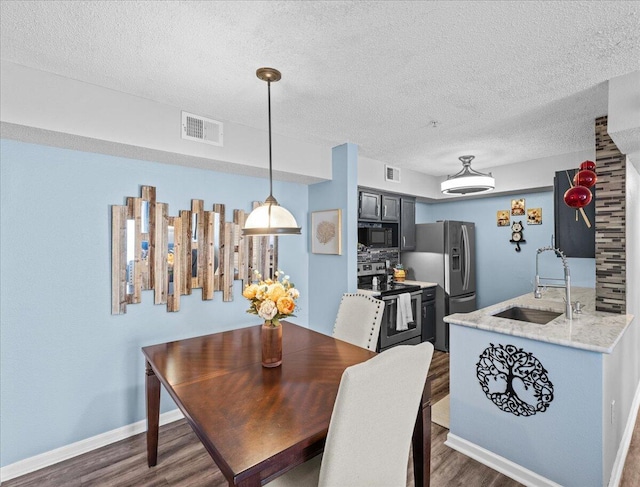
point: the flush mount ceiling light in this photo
(270, 218)
(468, 181)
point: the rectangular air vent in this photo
(391, 174)
(201, 129)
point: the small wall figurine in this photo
(516, 235)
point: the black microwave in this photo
(375, 237)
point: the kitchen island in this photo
(546, 404)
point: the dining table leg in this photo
(422, 441)
(152, 386)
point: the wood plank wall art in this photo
(176, 255)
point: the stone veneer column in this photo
(610, 223)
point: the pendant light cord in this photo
(270, 164)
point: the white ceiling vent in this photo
(201, 129)
(392, 174)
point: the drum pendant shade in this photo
(468, 181)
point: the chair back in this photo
(373, 419)
(358, 320)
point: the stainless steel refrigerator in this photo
(445, 254)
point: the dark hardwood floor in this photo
(183, 461)
(440, 367)
(631, 472)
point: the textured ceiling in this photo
(505, 81)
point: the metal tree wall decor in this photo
(514, 380)
(173, 255)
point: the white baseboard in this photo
(623, 449)
(46, 459)
(496, 462)
(527, 477)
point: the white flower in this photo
(268, 309)
(293, 293)
(261, 293)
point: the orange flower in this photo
(275, 291)
(250, 291)
(286, 305)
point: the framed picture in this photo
(517, 207)
(534, 216)
(502, 218)
(326, 232)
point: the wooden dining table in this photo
(257, 422)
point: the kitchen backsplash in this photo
(379, 255)
(611, 291)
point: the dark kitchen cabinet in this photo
(378, 207)
(369, 206)
(429, 314)
(572, 233)
(390, 208)
(407, 224)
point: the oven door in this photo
(389, 334)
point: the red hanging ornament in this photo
(585, 177)
(577, 197)
(588, 165)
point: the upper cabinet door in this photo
(574, 230)
(369, 206)
(390, 208)
(407, 224)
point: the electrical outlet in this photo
(613, 411)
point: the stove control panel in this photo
(371, 268)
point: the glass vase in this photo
(271, 344)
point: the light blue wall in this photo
(563, 443)
(502, 273)
(334, 275)
(69, 369)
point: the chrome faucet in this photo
(567, 280)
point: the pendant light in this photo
(467, 180)
(270, 218)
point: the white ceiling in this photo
(507, 81)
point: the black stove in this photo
(378, 277)
(391, 289)
(367, 271)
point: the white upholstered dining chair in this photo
(371, 425)
(358, 320)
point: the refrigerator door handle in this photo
(467, 257)
(461, 300)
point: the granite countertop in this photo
(376, 294)
(593, 330)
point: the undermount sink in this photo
(531, 315)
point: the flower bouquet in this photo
(272, 300)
